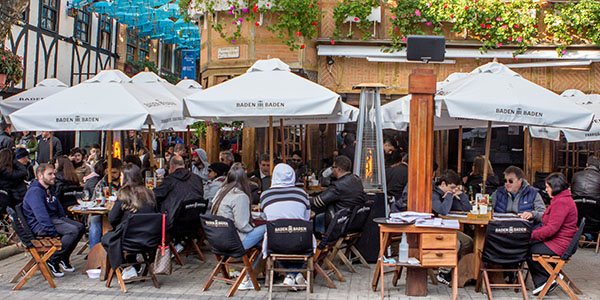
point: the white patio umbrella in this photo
(188, 85)
(348, 114)
(590, 102)
(42, 90)
(267, 90)
(494, 93)
(108, 101)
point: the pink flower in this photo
(466, 8)
(498, 19)
(393, 17)
(245, 10)
(232, 8)
(482, 25)
(519, 39)
(404, 39)
(451, 15)
(240, 19)
(428, 4)
(229, 12)
(332, 42)
(488, 26)
(563, 52)
(498, 45)
(516, 25)
(356, 19)
(3, 58)
(396, 28)
(428, 23)
(417, 13)
(446, 5)
(488, 19)
(510, 38)
(504, 26)
(216, 127)
(233, 41)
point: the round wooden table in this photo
(97, 257)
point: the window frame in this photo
(78, 32)
(45, 6)
(105, 22)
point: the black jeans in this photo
(70, 232)
(538, 273)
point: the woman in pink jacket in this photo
(559, 225)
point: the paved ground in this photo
(186, 283)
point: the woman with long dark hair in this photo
(559, 225)
(12, 179)
(475, 178)
(232, 201)
(67, 182)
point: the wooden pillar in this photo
(212, 144)
(271, 154)
(460, 150)
(422, 85)
(538, 156)
(249, 148)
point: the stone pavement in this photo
(186, 283)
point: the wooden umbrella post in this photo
(460, 150)
(135, 134)
(188, 138)
(151, 149)
(488, 144)
(282, 137)
(51, 146)
(109, 145)
(271, 144)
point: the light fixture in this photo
(330, 60)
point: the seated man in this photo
(283, 200)
(95, 221)
(518, 197)
(262, 175)
(345, 192)
(586, 183)
(298, 165)
(46, 217)
(179, 186)
(396, 176)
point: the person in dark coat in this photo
(132, 198)
(43, 154)
(475, 178)
(396, 177)
(349, 147)
(67, 182)
(180, 185)
(586, 183)
(23, 157)
(6, 141)
(12, 178)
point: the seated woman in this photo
(475, 178)
(559, 225)
(67, 182)
(132, 198)
(232, 201)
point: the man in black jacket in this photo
(396, 176)
(345, 192)
(349, 148)
(43, 152)
(179, 186)
(6, 140)
(586, 183)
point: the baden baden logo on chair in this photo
(511, 230)
(216, 223)
(290, 229)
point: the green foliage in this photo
(199, 128)
(573, 21)
(183, 8)
(360, 10)
(170, 77)
(142, 64)
(11, 65)
(234, 15)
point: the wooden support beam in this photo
(249, 148)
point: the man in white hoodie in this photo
(200, 164)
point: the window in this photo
(82, 26)
(49, 15)
(137, 48)
(177, 62)
(131, 44)
(25, 16)
(144, 45)
(167, 57)
(104, 36)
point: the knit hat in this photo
(21, 152)
(219, 168)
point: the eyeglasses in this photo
(510, 181)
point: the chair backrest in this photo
(590, 210)
(358, 219)
(574, 242)
(506, 242)
(188, 214)
(222, 236)
(20, 226)
(336, 228)
(142, 232)
(289, 236)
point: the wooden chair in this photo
(506, 244)
(289, 240)
(330, 240)
(142, 235)
(40, 248)
(565, 283)
(187, 228)
(227, 247)
(590, 210)
(346, 245)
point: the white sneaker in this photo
(300, 279)
(246, 284)
(289, 280)
(129, 273)
(234, 274)
(541, 287)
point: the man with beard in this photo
(200, 164)
(46, 217)
(43, 154)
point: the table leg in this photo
(478, 240)
(105, 224)
(383, 242)
(455, 283)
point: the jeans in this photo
(286, 264)
(254, 238)
(320, 223)
(70, 232)
(538, 273)
(95, 228)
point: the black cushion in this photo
(336, 228)
(20, 226)
(590, 210)
(574, 242)
(507, 242)
(142, 232)
(188, 217)
(358, 219)
(222, 236)
(289, 236)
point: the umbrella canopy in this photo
(495, 93)
(268, 88)
(42, 90)
(348, 114)
(189, 86)
(152, 83)
(588, 102)
(108, 101)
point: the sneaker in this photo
(233, 273)
(55, 269)
(66, 267)
(300, 279)
(129, 273)
(445, 278)
(552, 287)
(179, 248)
(246, 284)
(289, 280)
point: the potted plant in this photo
(11, 68)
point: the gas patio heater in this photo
(368, 157)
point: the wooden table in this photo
(433, 247)
(97, 257)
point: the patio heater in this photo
(368, 157)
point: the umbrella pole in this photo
(488, 144)
(51, 145)
(150, 145)
(188, 137)
(135, 142)
(459, 163)
(109, 156)
(283, 150)
(271, 143)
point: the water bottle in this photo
(403, 249)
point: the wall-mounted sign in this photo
(188, 64)
(228, 52)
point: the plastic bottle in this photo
(471, 195)
(403, 249)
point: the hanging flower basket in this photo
(11, 68)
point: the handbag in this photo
(162, 260)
